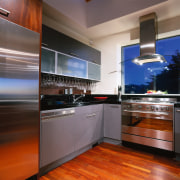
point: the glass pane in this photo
(159, 78)
(70, 66)
(94, 72)
(47, 61)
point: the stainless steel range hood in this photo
(148, 29)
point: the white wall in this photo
(110, 48)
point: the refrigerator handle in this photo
(4, 12)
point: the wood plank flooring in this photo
(111, 162)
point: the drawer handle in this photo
(178, 110)
(91, 115)
(4, 12)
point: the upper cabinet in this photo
(48, 61)
(26, 13)
(57, 41)
(94, 71)
(71, 66)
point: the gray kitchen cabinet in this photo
(89, 125)
(71, 66)
(94, 71)
(47, 61)
(63, 135)
(177, 130)
(57, 138)
(112, 121)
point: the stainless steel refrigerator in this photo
(19, 101)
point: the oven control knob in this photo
(139, 107)
(167, 108)
(152, 108)
(147, 107)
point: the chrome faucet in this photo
(79, 97)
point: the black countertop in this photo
(177, 104)
(49, 102)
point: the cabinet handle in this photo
(91, 115)
(178, 110)
(4, 12)
(44, 44)
(73, 54)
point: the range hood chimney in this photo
(148, 29)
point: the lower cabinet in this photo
(89, 125)
(57, 138)
(61, 136)
(112, 121)
(177, 130)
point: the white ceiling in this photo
(99, 18)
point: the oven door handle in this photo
(145, 112)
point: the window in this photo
(156, 77)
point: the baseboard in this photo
(112, 141)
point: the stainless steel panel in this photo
(60, 113)
(177, 130)
(19, 105)
(151, 133)
(148, 34)
(148, 110)
(148, 141)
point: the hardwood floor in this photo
(111, 162)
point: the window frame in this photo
(122, 66)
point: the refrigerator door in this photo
(19, 101)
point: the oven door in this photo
(148, 128)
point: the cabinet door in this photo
(57, 139)
(177, 130)
(70, 66)
(94, 71)
(112, 121)
(47, 61)
(27, 13)
(89, 126)
(60, 42)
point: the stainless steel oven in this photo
(149, 121)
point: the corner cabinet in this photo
(177, 130)
(112, 121)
